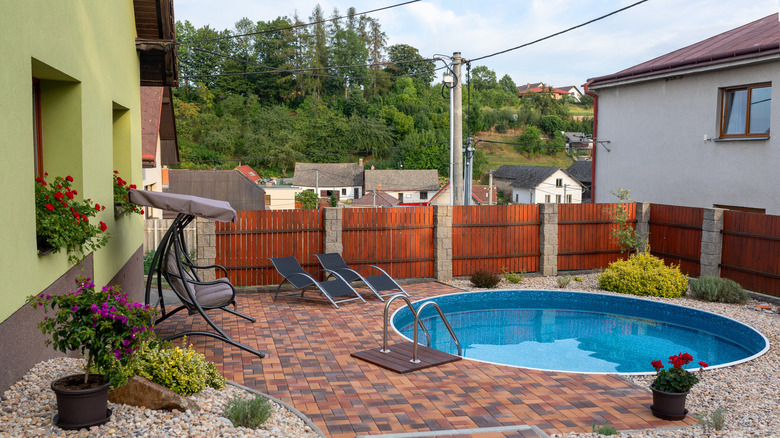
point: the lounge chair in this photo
(381, 283)
(336, 290)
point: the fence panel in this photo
(244, 247)
(154, 230)
(675, 236)
(584, 235)
(398, 240)
(495, 237)
(751, 251)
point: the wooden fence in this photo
(751, 251)
(584, 235)
(495, 238)
(398, 240)
(244, 247)
(675, 236)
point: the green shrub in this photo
(182, 370)
(512, 277)
(607, 429)
(722, 290)
(644, 274)
(485, 279)
(249, 413)
(712, 421)
(148, 258)
(563, 281)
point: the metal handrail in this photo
(417, 323)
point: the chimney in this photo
(360, 162)
(372, 167)
(379, 189)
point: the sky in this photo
(479, 28)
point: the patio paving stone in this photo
(308, 365)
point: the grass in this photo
(501, 154)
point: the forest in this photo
(330, 89)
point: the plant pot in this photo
(669, 405)
(44, 247)
(81, 406)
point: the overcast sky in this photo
(479, 28)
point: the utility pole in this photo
(457, 134)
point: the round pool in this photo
(580, 331)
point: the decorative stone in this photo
(141, 392)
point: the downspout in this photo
(595, 145)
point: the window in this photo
(745, 111)
(401, 197)
(356, 193)
(37, 131)
(557, 199)
(546, 199)
(423, 195)
(559, 182)
(568, 199)
(343, 192)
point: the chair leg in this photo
(237, 313)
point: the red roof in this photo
(758, 38)
(545, 89)
(151, 102)
(249, 172)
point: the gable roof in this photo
(526, 87)
(480, 194)
(248, 172)
(374, 199)
(581, 171)
(759, 38)
(543, 89)
(400, 180)
(225, 185)
(328, 175)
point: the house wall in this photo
(84, 54)
(570, 186)
(282, 198)
(410, 195)
(657, 149)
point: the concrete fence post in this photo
(332, 238)
(442, 242)
(711, 242)
(548, 239)
(206, 247)
(642, 229)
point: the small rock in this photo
(144, 393)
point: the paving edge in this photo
(435, 433)
(283, 403)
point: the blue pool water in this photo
(581, 332)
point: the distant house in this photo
(343, 179)
(573, 91)
(540, 88)
(281, 197)
(581, 170)
(159, 147)
(225, 185)
(408, 186)
(538, 185)
(692, 127)
(479, 195)
(577, 141)
(249, 173)
(376, 199)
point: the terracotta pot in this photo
(78, 407)
(669, 405)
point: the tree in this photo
(308, 199)
(483, 78)
(400, 53)
(508, 85)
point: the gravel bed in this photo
(26, 410)
(749, 393)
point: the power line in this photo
(561, 32)
(309, 74)
(299, 25)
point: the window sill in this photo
(741, 139)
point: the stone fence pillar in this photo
(206, 247)
(332, 225)
(442, 242)
(642, 230)
(711, 242)
(548, 239)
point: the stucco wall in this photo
(657, 149)
(84, 54)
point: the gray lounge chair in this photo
(336, 290)
(381, 283)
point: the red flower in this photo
(657, 364)
(69, 178)
(75, 192)
(132, 186)
(142, 211)
(97, 207)
(49, 207)
(702, 364)
(69, 195)
(116, 171)
(103, 226)
(59, 196)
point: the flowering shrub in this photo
(63, 221)
(122, 202)
(104, 325)
(644, 274)
(676, 379)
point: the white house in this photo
(343, 179)
(408, 186)
(281, 197)
(538, 185)
(692, 127)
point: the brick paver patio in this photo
(308, 365)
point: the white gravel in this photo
(749, 393)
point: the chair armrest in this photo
(206, 267)
(331, 273)
(375, 267)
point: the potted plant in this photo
(107, 328)
(62, 221)
(670, 387)
(122, 202)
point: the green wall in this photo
(84, 54)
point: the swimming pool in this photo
(581, 331)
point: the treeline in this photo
(271, 93)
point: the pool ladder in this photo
(417, 323)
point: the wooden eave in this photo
(156, 42)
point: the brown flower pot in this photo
(669, 405)
(81, 405)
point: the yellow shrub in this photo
(644, 274)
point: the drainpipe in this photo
(595, 145)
